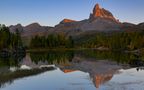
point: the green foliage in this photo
(9, 40)
(116, 41)
(51, 41)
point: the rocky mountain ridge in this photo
(100, 20)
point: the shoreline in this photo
(137, 51)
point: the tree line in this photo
(52, 41)
(9, 40)
(116, 41)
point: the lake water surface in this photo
(72, 70)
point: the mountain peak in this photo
(97, 10)
(13, 28)
(34, 24)
(67, 21)
(102, 13)
(97, 5)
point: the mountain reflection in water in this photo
(101, 66)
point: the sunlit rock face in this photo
(101, 12)
(100, 20)
(67, 21)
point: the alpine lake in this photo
(72, 70)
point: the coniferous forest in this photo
(114, 41)
(9, 40)
(52, 41)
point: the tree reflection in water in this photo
(101, 65)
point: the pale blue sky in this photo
(51, 12)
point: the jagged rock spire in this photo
(97, 10)
(101, 12)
